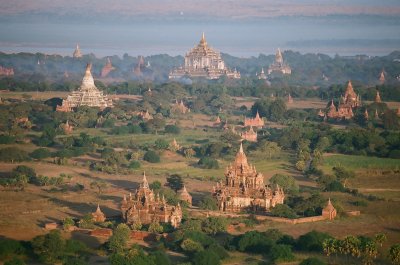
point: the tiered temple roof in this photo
(257, 121)
(329, 212)
(6, 71)
(347, 102)
(145, 207)
(279, 65)
(244, 188)
(203, 61)
(184, 195)
(77, 53)
(108, 67)
(98, 216)
(249, 135)
(262, 75)
(180, 107)
(87, 95)
(378, 97)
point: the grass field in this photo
(360, 162)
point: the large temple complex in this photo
(244, 189)
(203, 61)
(145, 207)
(279, 65)
(87, 95)
(347, 102)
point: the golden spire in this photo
(203, 41)
(378, 97)
(145, 183)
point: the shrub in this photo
(161, 144)
(134, 164)
(214, 225)
(208, 162)
(312, 241)
(13, 154)
(281, 253)
(6, 139)
(254, 242)
(173, 129)
(335, 186)
(282, 210)
(312, 261)
(155, 185)
(191, 246)
(208, 203)
(206, 257)
(152, 157)
(10, 247)
(40, 153)
(119, 240)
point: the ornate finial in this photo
(241, 148)
(145, 183)
(98, 209)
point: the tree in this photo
(50, 247)
(155, 227)
(343, 174)
(312, 261)
(161, 144)
(155, 185)
(40, 153)
(214, 225)
(173, 129)
(206, 257)
(281, 253)
(380, 238)
(99, 185)
(13, 154)
(118, 241)
(151, 156)
(282, 210)
(175, 182)
(270, 148)
(68, 222)
(14, 261)
(208, 163)
(312, 241)
(208, 203)
(191, 246)
(160, 258)
(277, 110)
(394, 254)
(254, 242)
(288, 183)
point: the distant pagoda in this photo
(279, 65)
(108, 67)
(257, 121)
(382, 78)
(77, 53)
(262, 75)
(87, 95)
(347, 102)
(203, 61)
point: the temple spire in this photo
(145, 183)
(241, 148)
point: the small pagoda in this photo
(77, 53)
(257, 121)
(98, 216)
(184, 196)
(329, 212)
(249, 135)
(87, 95)
(108, 67)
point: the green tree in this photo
(282, 210)
(394, 254)
(50, 247)
(208, 203)
(288, 183)
(155, 227)
(15, 261)
(190, 246)
(175, 182)
(281, 253)
(151, 156)
(312, 241)
(214, 225)
(13, 154)
(118, 241)
(40, 153)
(68, 222)
(155, 185)
(206, 257)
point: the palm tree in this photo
(380, 238)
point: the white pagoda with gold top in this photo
(203, 61)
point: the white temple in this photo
(77, 53)
(279, 65)
(203, 61)
(87, 95)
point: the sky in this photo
(242, 28)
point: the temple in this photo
(262, 75)
(6, 71)
(87, 95)
(108, 67)
(249, 135)
(244, 189)
(347, 102)
(329, 212)
(145, 207)
(180, 107)
(257, 121)
(279, 65)
(184, 196)
(67, 128)
(382, 78)
(203, 61)
(140, 65)
(378, 97)
(145, 115)
(98, 216)
(77, 53)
